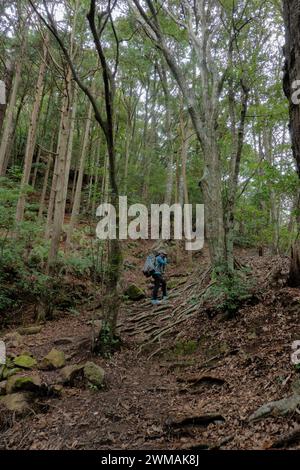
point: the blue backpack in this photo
(149, 266)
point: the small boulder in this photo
(30, 330)
(70, 373)
(16, 402)
(21, 383)
(94, 374)
(25, 361)
(276, 408)
(133, 292)
(55, 359)
(13, 340)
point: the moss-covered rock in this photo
(21, 383)
(25, 361)
(70, 373)
(30, 330)
(94, 374)
(16, 402)
(13, 340)
(55, 359)
(133, 292)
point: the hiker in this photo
(155, 267)
(158, 277)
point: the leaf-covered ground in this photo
(192, 387)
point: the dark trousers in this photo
(159, 281)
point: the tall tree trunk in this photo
(127, 154)
(238, 135)
(77, 197)
(45, 185)
(35, 171)
(291, 13)
(8, 125)
(8, 84)
(59, 174)
(150, 139)
(13, 135)
(212, 196)
(54, 175)
(31, 137)
(185, 134)
(169, 144)
(73, 111)
(274, 201)
(96, 180)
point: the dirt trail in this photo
(196, 392)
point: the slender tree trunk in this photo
(274, 202)
(45, 185)
(96, 181)
(74, 184)
(127, 150)
(169, 145)
(73, 111)
(238, 135)
(36, 168)
(185, 134)
(13, 134)
(105, 180)
(59, 175)
(8, 84)
(77, 197)
(31, 137)
(212, 195)
(54, 175)
(8, 126)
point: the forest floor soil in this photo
(194, 388)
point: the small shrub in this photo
(228, 291)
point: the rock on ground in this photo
(70, 373)
(13, 340)
(18, 383)
(55, 359)
(30, 330)
(94, 374)
(25, 361)
(16, 402)
(134, 292)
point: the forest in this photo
(134, 341)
